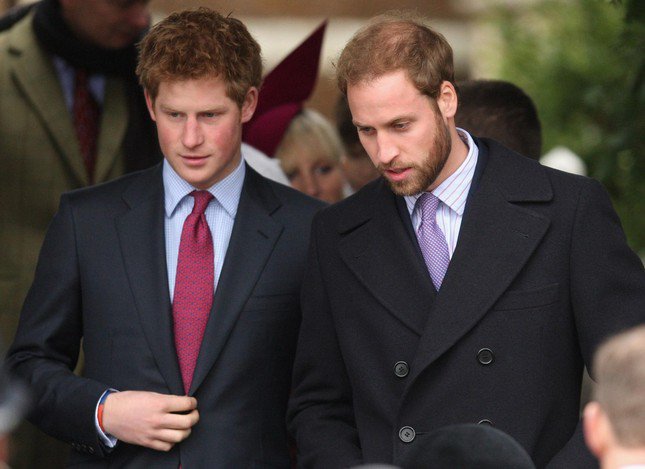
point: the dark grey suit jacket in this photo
(540, 275)
(102, 278)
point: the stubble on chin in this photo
(426, 173)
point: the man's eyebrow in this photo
(390, 122)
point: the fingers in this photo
(165, 439)
(150, 419)
(179, 403)
(172, 436)
(180, 421)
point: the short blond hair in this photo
(619, 370)
(313, 129)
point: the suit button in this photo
(407, 434)
(401, 369)
(485, 356)
(485, 422)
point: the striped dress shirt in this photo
(452, 194)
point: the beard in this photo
(427, 171)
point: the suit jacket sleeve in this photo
(607, 291)
(46, 346)
(321, 413)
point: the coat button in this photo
(401, 369)
(485, 422)
(407, 434)
(485, 356)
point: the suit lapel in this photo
(496, 239)
(253, 238)
(33, 72)
(379, 251)
(141, 236)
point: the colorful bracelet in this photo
(99, 413)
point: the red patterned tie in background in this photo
(193, 286)
(86, 116)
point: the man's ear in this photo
(150, 104)
(249, 104)
(597, 429)
(447, 100)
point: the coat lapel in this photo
(33, 72)
(496, 239)
(253, 238)
(379, 251)
(141, 236)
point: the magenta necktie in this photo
(86, 116)
(193, 286)
(432, 240)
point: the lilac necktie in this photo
(432, 240)
(193, 286)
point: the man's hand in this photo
(156, 421)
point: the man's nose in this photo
(387, 150)
(192, 135)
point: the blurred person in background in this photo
(356, 163)
(14, 400)
(71, 114)
(310, 153)
(502, 111)
(614, 421)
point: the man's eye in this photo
(365, 130)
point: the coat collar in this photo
(379, 246)
(497, 236)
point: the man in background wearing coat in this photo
(468, 285)
(71, 114)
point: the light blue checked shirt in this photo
(220, 215)
(452, 194)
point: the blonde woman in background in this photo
(310, 154)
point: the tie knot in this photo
(202, 199)
(428, 203)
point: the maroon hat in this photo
(284, 90)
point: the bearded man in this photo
(469, 284)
